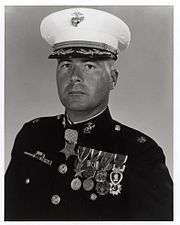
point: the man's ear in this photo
(114, 77)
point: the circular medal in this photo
(88, 184)
(101, 176)
(76, 184)
(55, 199)
(93, 196)
(62, 168)
(116, 177)
(89, 172)
(102, 188)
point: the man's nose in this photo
(76, 74)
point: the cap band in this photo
(82, 51)
(85, 44)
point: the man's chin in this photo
(76, 106)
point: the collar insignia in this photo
(89, 127)
(141, 139)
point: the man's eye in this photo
(65, 65)
(89, 66)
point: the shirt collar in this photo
(101, 120)
(83, 121)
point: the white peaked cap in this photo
(85, 27)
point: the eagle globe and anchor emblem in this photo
(77, 18)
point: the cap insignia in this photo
(77, 18)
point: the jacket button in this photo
(117, 127)
(27, 181)
(93, 196)
(55, 199)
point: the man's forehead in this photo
(83, 59)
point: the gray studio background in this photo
(142, 98)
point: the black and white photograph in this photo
(88, 113)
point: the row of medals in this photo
(93, 165)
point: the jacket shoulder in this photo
(132, 136)
(43, 121)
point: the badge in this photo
(55, 199)
(115, 189)
(93, 196)
(76, 184)
(102, 188)
(77, 18)
(62, 168)
(88, 184)
(40, 156)
(101, 176)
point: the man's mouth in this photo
(78, 92)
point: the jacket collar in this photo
(102, 121)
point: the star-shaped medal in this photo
(68, 150)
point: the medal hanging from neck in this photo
(70, 137)
(116, 175)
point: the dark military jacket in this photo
(114, 173)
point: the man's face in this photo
(83, 83)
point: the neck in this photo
(78, 116)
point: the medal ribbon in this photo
(119, 160)
(106, 160)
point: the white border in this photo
(87, 2)
(176, 5)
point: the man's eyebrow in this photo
(82, 59)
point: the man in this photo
(83, 165)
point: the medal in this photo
(76, 184)
(62, 168)
(71, 141)
(116, 176)
(101, 176)
(88, 184)
(102, 188)
(89, 172)
(115, 189)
